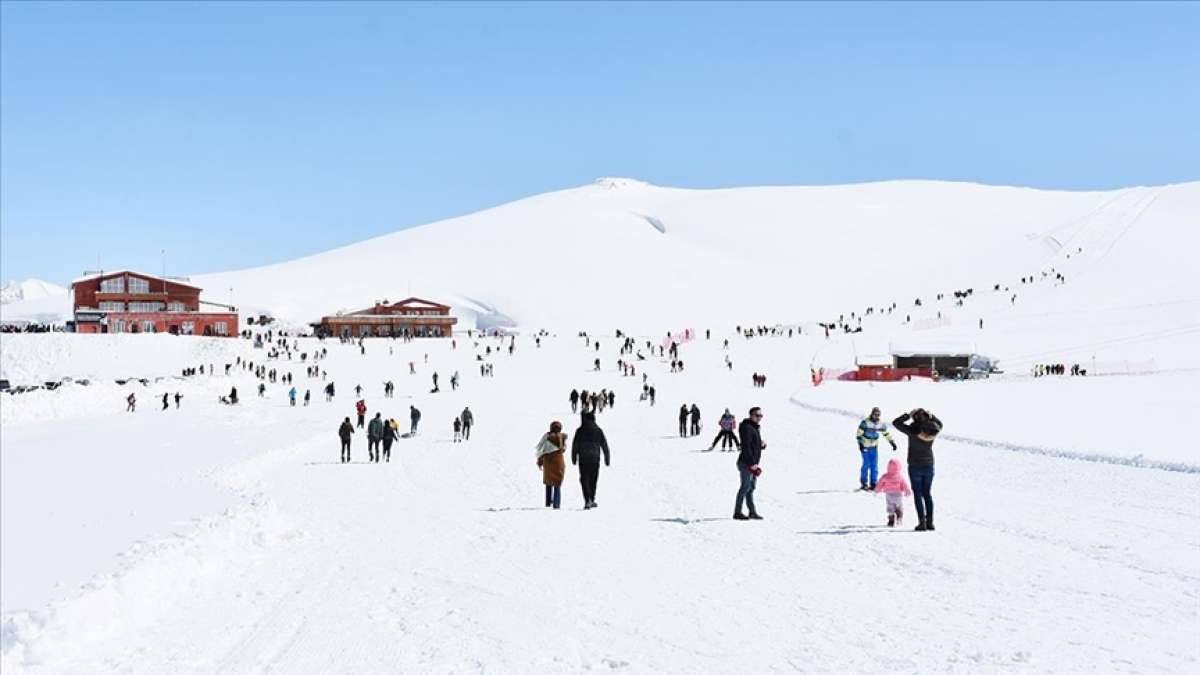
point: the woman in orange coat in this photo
(551, 459)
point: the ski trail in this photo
(1137, 461)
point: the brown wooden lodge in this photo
(131, 302)
(412, 317)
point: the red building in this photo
(131, 302)
(413, 316)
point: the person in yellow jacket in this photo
(869, 431)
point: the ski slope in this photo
(144, 545)
(213, 539)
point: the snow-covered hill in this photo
(29, 289)
(624, 251)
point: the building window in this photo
(114, 285)
(145, 306)
(112, 306)
(147, 326)
(220, 328)
(188, 328)
(137, 285)
(175, 307)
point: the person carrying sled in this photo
(869, 430)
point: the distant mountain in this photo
(29, 289)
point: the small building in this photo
(945, 361)
(412, 317)
(132, 302)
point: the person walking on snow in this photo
(867, 435)
(695, 413)
(457, 429)
(414, 416)
(344, 433)
(921, 432)
(389, 435)
(747, 464)
(683, 417)
(894, 488)
(574, 400)
(361, 409)
(292, 396)
(468, 420)
(307, 397)
(551, 459)
(586, 449)
(166, 405)
(725, 435)
(374, 437)
(130, 403)
(178, 398)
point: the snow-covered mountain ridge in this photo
(29, 289)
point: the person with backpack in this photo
(586, 450)
(344, 433)
(747, 464)
(921, 432)
(374, 437)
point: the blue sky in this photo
(240, 134)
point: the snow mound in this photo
(30, 289)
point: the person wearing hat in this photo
(586, 449)
(551, 450)
(869, 430)
(925, 426)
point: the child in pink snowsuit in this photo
(894, 487)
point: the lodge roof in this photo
(104, 275)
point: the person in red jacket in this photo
(361, 409)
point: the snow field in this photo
(445, 560)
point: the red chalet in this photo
(132, 302)
(412, 317)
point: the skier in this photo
(374, 437)
(468, 420)
(361, 409)
(586, 449)
(894, 488)
(683, 417)
(725, 435)
(551, 450)
(414, 416)
(867, 435)
(344, 433)
(695, 413)
(747, 464)
(921, 433)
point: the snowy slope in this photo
(623, 251)
(29, 289)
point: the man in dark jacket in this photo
(683, 418)
(374, 437)
(574, 400)
(414, 416)
(924, 428)
(344, 432)
(389, 435)
(695, 413)
(747, 464)
(586, 448)
(467, 420)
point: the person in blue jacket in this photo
(869, 431)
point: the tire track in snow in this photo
(1137, 461)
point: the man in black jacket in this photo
(747, 464)
(586, 448)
